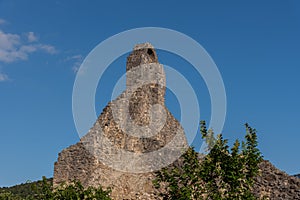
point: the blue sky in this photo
(256, 46)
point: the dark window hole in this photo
(150, 52)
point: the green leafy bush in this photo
(44, 190)
(221, 174)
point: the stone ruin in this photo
(136, 134)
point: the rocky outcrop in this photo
(275, 184)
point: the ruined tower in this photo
(134, 136)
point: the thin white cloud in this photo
(12, 48)
(16, 47)
(3, 77)
(8, 41)
(77, 61)
(31, 37)
(76, 67)
(2, 21)
(47, 48)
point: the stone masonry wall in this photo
(135, 124)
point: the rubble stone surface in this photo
(133, 127)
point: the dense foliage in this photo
(44, 190)
(22, 190)
(222, 174)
